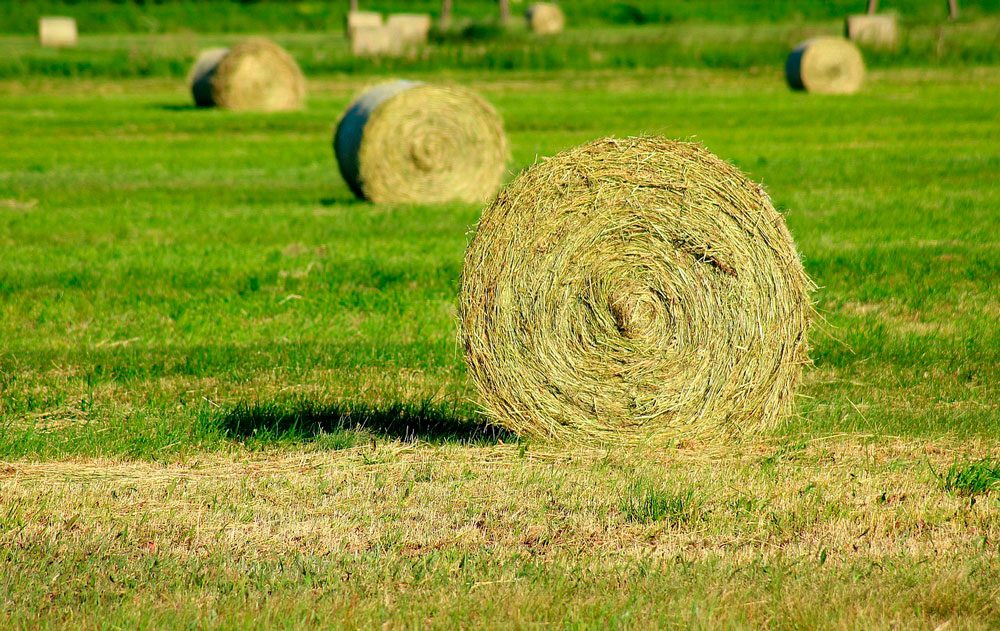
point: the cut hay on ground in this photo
(634, 291)
(406, 141)
(57, 32)
(545, 18)
(825, 65)
(875, 31)
(254, 75)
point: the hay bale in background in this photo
(254, 75)
(410, 29)
(200, 77)
(876, 31)
(545, 18)
(374, 41)
(362, 19)
(407, 141)
(634, 291)
(826, 65)
(58, 32)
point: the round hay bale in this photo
(57, 31)
(409, 142)
(200, 77)
(545, 18)
(825, 65)
(634, 291)
(254, 75)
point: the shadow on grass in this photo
(356, 422)
(349, 199)
(179, 107)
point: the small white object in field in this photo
(57, 32)
(876, 31)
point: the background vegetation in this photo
(222, 16)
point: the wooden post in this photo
(505, 11)
(953, 9)
(872, 7)
(354, 5)
(445, 13)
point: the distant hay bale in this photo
(545, 18)
(876, 31)
(410, 29)
(362, 19)
(374, 41)
(254, 75)
(200, 76)
(634, 291)
(406, 141)
(826, 65)
(57, 32)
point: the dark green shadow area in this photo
(342, 425)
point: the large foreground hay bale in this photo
(410, 29)
(254, 75)
(876, 31)
(406, 141)
(826, 65)
(362, 19)
(634, 291)
(545, 18)
(56, 31)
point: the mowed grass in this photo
(231, 396)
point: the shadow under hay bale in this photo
(545, 18)
(254, 75)
(409, 142)
(57, 32)
(825, 65)
(634, 291)
(874, 31)
(306, 420)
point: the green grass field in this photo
(231, 395)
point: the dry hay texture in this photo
(634, 291)
(57, 32)
(825, 65)
(545, 18)
(254, 75)
(410, 142)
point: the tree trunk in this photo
(445, 13)
(953, 9)
(872, 6)
(505, 11)
(354, 5)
